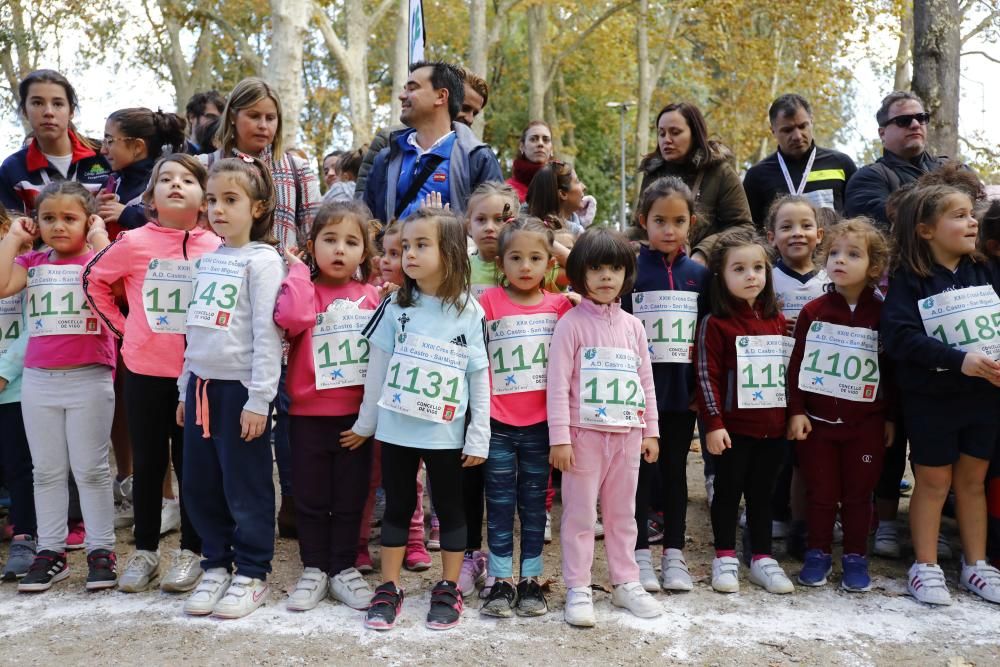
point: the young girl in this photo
(938, 324)
(599, 382)
(426, 370)
(520, 318)
(740, 364)
(156, 263)
(67, 396)
(666, 299)
(485, 218)
(837, 401)
(324, 318)
(229, 379)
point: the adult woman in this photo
(684, 150)
(251, 124)
(556, 191)
(534, 152)
(56, 152)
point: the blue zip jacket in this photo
(131, 182)
(674, 382)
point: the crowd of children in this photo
(405, 353)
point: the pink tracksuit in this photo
(606, 457)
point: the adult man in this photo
(433, 153)
(202, 109)
(902, 127)
(799, 166)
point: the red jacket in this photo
(716, 374)
(832, 308)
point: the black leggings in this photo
(749, 468)
(474, 499)
(151, 408)
(399, 479)
(676, 431)
(894, 465)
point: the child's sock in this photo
(725, 553)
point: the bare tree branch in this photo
(376, 16)
(333, 42)
(987, 21)
(983, 54)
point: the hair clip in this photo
(243, 156)
(550, 222)
(508, 215)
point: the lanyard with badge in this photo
(339, 350)
(967, 319)
(426, 378)
(841, 362)
(519, 349)
(56, 304)
(216, 290)
(819, 198)
(761, 363)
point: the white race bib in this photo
(967, 319)
(166, 293)
(10, 321)
(340, 352)
(820, 198)
(841, 362)
(610, 390)
(216, 290)
(426, 378)
(670, 319)
(760, 370)
(519, 352)
(56, 304)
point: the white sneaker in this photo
(245, 595)
(309, 591)
(982, 579)
(633, 597)
(887, 540)
(647, 575)
(598, 530)
(766, 573)
(184, 573)
(351, 588)
(122, 489)
(124, 514)
(210, 590)
(674, 575)
(780, 529)
(140, 570)
(548, 528)
(579, 609)
(944, 551)
(726, 574)
(170, 516)
(710, 489)
(925, 582)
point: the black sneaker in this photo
(530, 599)
(384, 608)
(501, 600)
(47, 568)
(101, 572)
(446, 606)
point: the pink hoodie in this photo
(127, 259)
(593, 325)
(298, 303)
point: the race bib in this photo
(761, 362)
(166, 293)
(10, 321)
(519, 352)
(610, 391)
(426, 378)
(967, 319)
(340, 352)
(841, 362)
(670, 319)
(820, 198)
(216, 291)
(793, 302)
(56, 305)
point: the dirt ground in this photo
(823, 626)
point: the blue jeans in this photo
(517, 473)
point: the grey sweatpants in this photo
(67, 418)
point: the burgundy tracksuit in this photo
(842, 456)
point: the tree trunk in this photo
(289, 21)
(400, 60)
(936, 69)
(901, 79)
(478, 50)
(537, 33)
(645, 85)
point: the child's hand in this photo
(97, 232)
(25, 230)
(351, 440)
(650, 449)
(251, 425)
(180, 413)
(386, 289)
(574, 298)
(109, 207)
(3, 384)
(294, 256)
(790, 326)
(561, 457)
(718, 441)
(433, 200)
(472, 461)
(798, 427)
(890, 434)
(977, 364)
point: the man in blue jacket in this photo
(434, 153)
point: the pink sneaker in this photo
(363, 563)
(77, 536)
(434, 539)
(473, 572)
(417, 558)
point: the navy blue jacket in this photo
(131, 182)
(870, 187)
(674, 382)
(919, 356)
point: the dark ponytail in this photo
(163, 133)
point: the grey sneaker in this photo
(140, 570)
(22, 554)
(122, 490)
(351, 588)
(184, 573)
(310, 590)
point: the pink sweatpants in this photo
(416, 523)
(606, 466)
